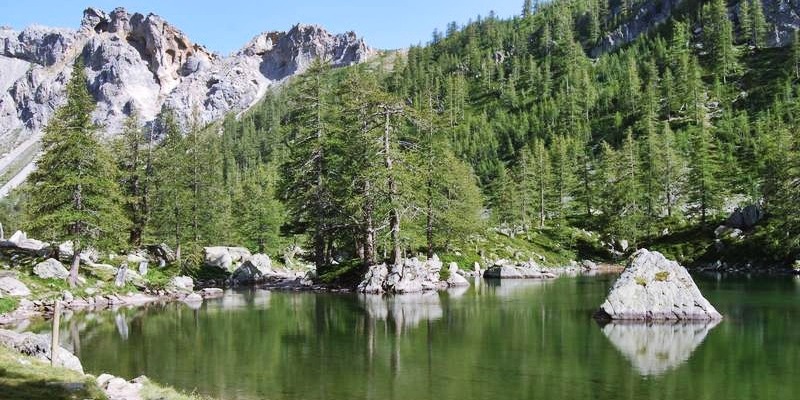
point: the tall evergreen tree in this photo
(73, 191)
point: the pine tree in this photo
(703, 192)
(131, 150)
(758, 28)
(73, 192)
(718, 35)
(745, 20)
(796, 54)
(305, 184)
(527, 9)
(171, 194)
(671, 174)
(258, 214)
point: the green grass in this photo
(26, 378)
(8, 304)
(152, 391)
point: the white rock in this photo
(51, 269)
(12, 287)
(182, 283)
(654, 288)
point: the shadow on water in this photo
(655, 348)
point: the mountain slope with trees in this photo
(498, 139)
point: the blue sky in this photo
(226, 25)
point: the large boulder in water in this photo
(654, 288)
(503, 269)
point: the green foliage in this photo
(8, 304)
(640, 280)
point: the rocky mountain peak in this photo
(141, 63)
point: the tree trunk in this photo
(76, 263)
(394, 215)
(368, 246)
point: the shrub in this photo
(662, 276)
(640, 280)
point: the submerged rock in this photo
(654, 288)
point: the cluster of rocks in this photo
(39, 346)
(238, 266)
(504, 269)
(412, 276)
(651, 287)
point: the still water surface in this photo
(509, 340)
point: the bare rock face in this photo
(652, 288)
(137, 62)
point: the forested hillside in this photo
(499, 137)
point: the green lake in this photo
(495, 340)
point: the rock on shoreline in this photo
(652, 288)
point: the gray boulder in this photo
(745, 218)
(181, 284)
(455, 279)
(654, 288)
(51, 269)
(226, 259)
(246, 274)
(506, 270)
(38, 346)
(12, 287)
(374, 279)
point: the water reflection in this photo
(233, 300)
(122, 325)
(404, 310)
(655, 348)
(510, 287)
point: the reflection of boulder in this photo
(511, 287)
(406, 310)
(240, 299)
(656, 348)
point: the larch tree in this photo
(73, 192)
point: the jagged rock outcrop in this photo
(645, 16)
(652, 288)
(783, 15)
(137, 62)
(413, 276)
(141, 62)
